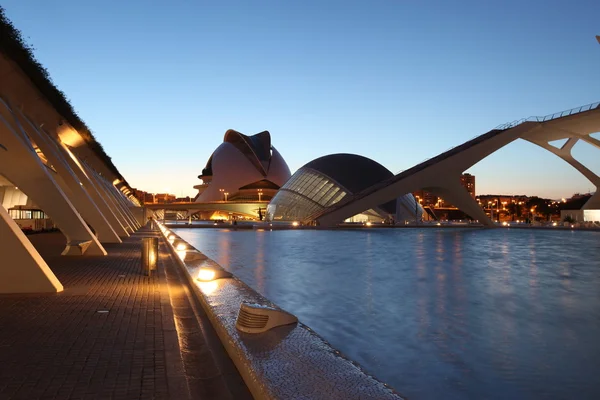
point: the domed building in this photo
(327, 180)
(243, 168)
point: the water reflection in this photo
(493, 314)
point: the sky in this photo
(159, 83)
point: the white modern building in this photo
(242, 168)
(327, 180)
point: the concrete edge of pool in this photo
(286, 362)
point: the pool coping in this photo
(287, 362)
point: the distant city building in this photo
(164, 198)
(468, 182)
(428, 199)
(243, 168)
(143, 197)
(327, 180)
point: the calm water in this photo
(480, 314)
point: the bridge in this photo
(245, 208)
(441, 174)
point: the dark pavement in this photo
(113, 333)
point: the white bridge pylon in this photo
(441, 175)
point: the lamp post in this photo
(259, 193)
(226, 194)
(222, 193)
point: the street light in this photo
(222, 192)
(259, 193)
(226, 196)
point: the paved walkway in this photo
(112, 334)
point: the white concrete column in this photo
(22, 269)
(456, 194)
(115, 194)
(97, 196)
(125, 202)
(565, 153)
(21, 165)
(71, 185)
(107, 196)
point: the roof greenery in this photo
(14, 47)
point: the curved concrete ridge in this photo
(288, 362)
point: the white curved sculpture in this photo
(241, 160)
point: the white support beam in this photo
(456, 194)
(565, 153)
(116, 195)
(105, 207)
(439, 172)
(125, 202)
(107, 196)
(70, 184)
(22, 269)
(21, 165)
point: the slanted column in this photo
(21, 165)
(456, 194)
(107, 196)
(111, 191)
(565, 153)
(22, 269)
(125, 202)
(71, 185)
(94, 192)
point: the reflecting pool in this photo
(437, 313)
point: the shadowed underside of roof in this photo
(257, 148)
(15, 48)
(262, 184)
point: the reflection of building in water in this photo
(243, 168)
(327, 180)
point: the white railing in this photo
(550, 117)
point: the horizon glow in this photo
(396, 82)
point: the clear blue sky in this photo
(159, 83)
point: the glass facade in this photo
(304, 194)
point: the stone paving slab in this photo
(112, 334)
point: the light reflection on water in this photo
(493, 314)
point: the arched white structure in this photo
(441, 175)
(241, 160)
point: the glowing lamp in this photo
(149, 254)
(181, 247)
(554, 224)
(295, 223)
(368, 224)
(210, 274)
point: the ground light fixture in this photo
(295, 223)
(256, 318)
(171, 239)
(208, 274)
(181, 246)
(368, 223)
(149, 254)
